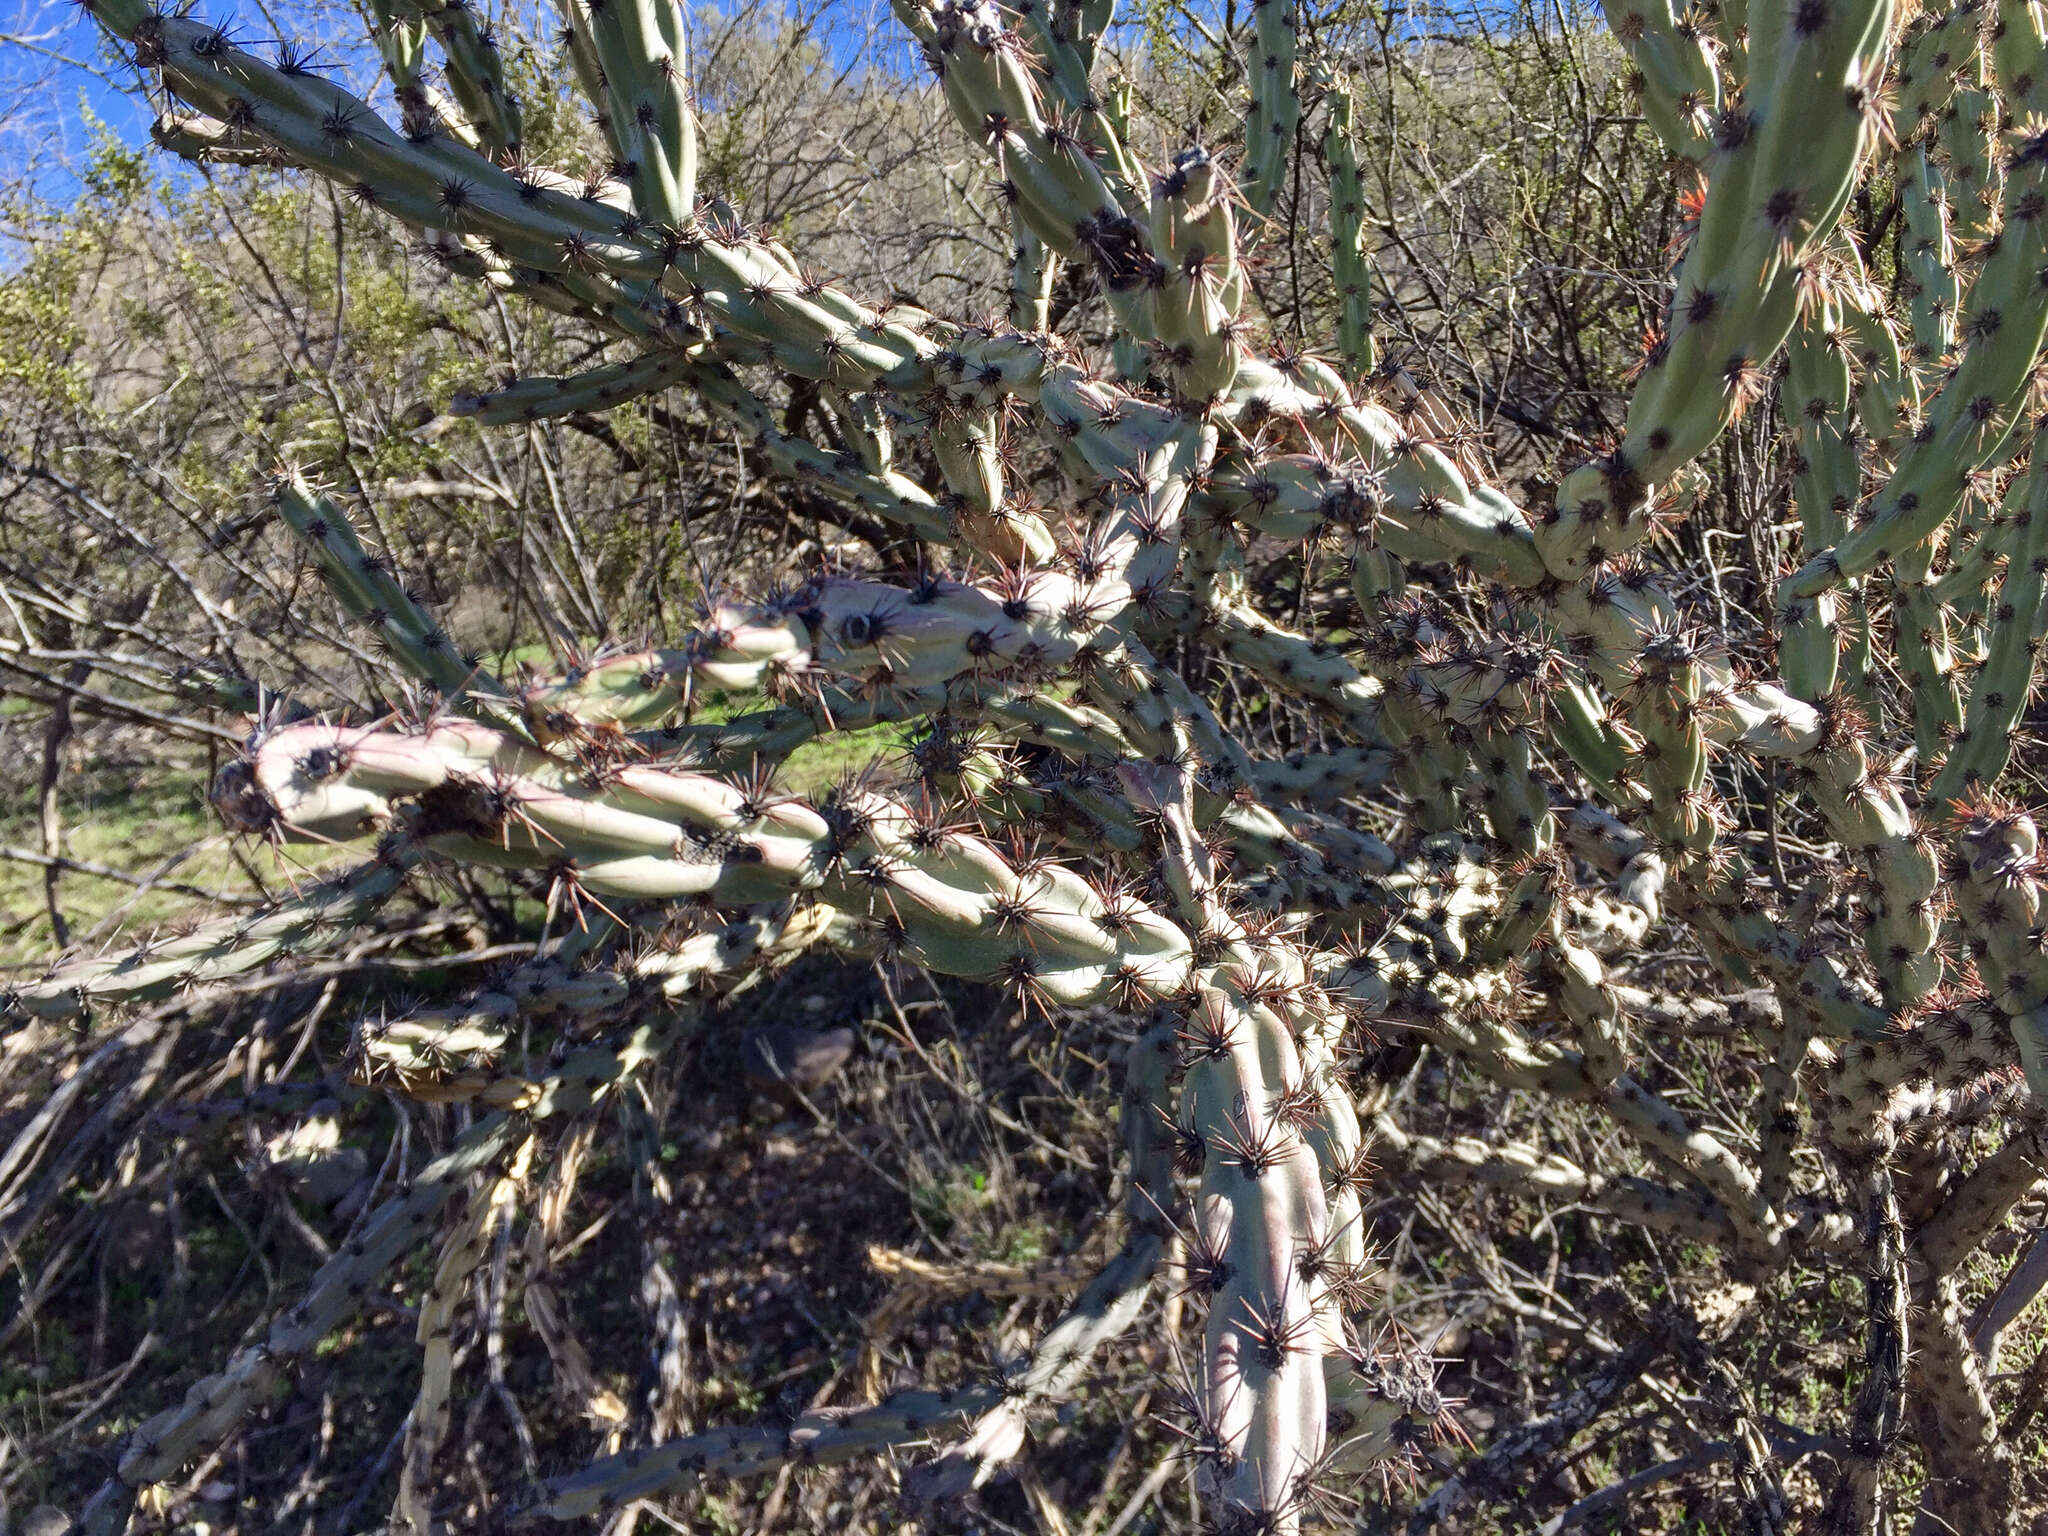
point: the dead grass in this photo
(762, 1218)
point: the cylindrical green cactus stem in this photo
(1376, 481)
(2004, 318)
(1999, 900)
(1526, 910)
(1515, 796)
(877, 486)
(1978, 547)
(365, 586)
(1309, 669)
(1864, 807)
(216, 950)
(588, 70)
(1598, 745)
(819, 1437)
(449, 1054)
(1784, 165)
(634, 831)
(1937, 48)
(2004, 680)
(643, 52)
(1950, 1397)
(1401, 516)
(1321, 777)
(1781, 1101)
(1827, 481)
(1943, 1042)
(630, 311)
(727, 956)
(1493, 1044)
(1470, 1160)
(1255, 1108)
(1925, 646)
(1981, 1202)
(866, 422)
(968, 447)
(1666, 706)
(1034, 271)
(1351, 267)
(1887, 409)
(1084, 22)
(1159, 714)
(1932, 282)
(1058, 63)
(1621, 852)
(1859, 658)
(1116, 100)
(1593, 1007)
(1969, 137)
(1194, 311)
(1367, 1394)
(427, 1044)
(432, 181)
(1059, 189)
(217, 686)
(2019, 57)
(1274, 111)
(1677, 1142)
(1887, 391)
(475, 73)
(1672, 73)
(1378, 578)
(1063, 36)
(2030, 1037)
(1427, 767)
(400, 33)
(595, 389)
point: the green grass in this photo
(814, 766)
(128, 817)
(819, 764)
(824, 760)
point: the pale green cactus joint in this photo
(1350, 260)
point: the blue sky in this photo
(58, 78)
(53, 71)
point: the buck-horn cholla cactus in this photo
(1610, 748)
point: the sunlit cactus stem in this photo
(1350, 261)
(1274, 112)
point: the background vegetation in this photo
(167, 334)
